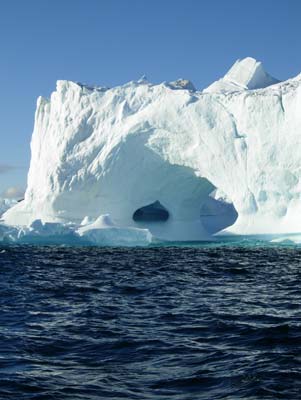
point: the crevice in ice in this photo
(281, 103)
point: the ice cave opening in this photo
(217, 214)
(154, 212)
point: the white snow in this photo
(98, 151)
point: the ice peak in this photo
(246, 73)
(143, 79)
(249, 73)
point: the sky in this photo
(110, 42)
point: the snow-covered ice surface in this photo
(227, 158)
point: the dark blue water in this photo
(153, 323)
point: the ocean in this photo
(175, 322)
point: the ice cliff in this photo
(182, 163)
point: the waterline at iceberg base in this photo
(144, 162)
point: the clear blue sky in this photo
(110, 42)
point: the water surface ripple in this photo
(150, 323)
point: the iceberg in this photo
(167, 161)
